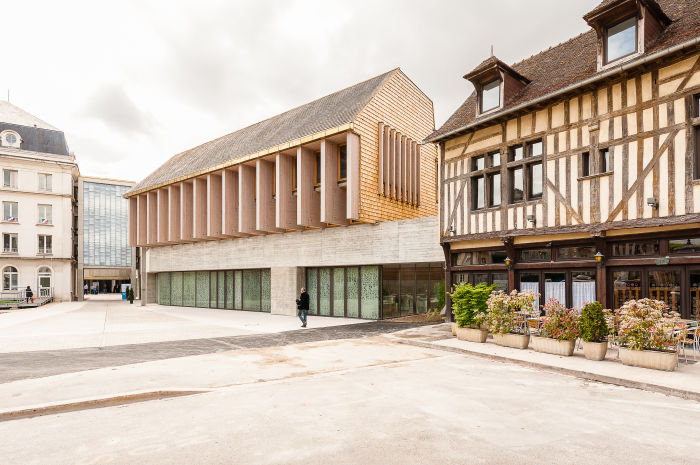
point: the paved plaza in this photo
(339, 393)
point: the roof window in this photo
(10, 139)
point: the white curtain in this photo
(583, 291)
(556, 290)
(535, 287)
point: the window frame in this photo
(606, 38)
(48, 210)
(586, 168)
(482, 87)
(14, 175)
(317, 169)
(695, 122)
(339, 159)
(487, 173)
(8, 270)
(15, 217)
(44, 250)
(48, 182)
(13, 237)
(525, 163)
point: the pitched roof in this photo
(571, 62)
(12, 114)
(493, 63)
(319, 115)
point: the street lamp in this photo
(599, 258)
(508, 263)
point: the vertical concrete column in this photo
(174, 213)
(285, 281)
(229, 203)
(418, 169)
(308, 200)
(333, 201)
(142, 220)
(214, 205)
(200, 208)
(286, 204)
(152, 236)
(133, 221)
(392, 164)
(265, 201)
(143, 292)
(163, 212)
(187, 211)
(353, 183)
(246, 199)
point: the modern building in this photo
(337, 195)
(105, 260)
(576, 172)
(38, 203)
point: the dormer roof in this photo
(491, 66)
(608, 7)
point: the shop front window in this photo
(555, 287)
(666, 286)
(582, 288)
(694, 291)
(390, 291)
(531, 282)
(500, 280)
(627, 285)
(484, 257)
(634, 249)
(575, 252)
(684, 246)
(536, 255)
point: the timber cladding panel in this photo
(642, 121)
(404, 108)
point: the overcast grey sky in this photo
(134, 82)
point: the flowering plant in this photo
(469, 304)
(593, 324)
(559, 322)
(647, 324)
(501, 317)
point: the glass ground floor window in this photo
(373, 292)
(571, 287)
(224, 289)
(658, 283)
(499, 278)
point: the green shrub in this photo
(469, 303)
(592, 325)
(439, 291)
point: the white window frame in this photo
(3, 139)
(499, 85)
(14, 174)
(13, 238)
(10, 218)
(47, 180)
(7, 271)
(45, 214)
(42, 247)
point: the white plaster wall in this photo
(404, 241)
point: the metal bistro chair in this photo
(534, 326)
(692, 339)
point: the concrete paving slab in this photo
(223, 369)
(102, 323)
(684, 382)
(449, 410)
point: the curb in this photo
(669, 391)
(95, 402)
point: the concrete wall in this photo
(403, 241)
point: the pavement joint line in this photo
(588, 376)
(53, 408)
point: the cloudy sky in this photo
(134, 82)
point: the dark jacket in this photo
(304, 301)
(29, 293)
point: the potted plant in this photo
(469, 306)
(130, 294)
(646, 334)
(559, 330)
(501, 318)
(594, 331)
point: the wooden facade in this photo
(609, 162)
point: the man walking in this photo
(303, 306)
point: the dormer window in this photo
(10, 139)
(491, 95)
(621, 39)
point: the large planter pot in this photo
(595, 350)
(472, 334)
(517, 341)
(553, 346)
(454, 329)
(649, 359)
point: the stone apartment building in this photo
(338, 195)
(576, 172)
(38, 203)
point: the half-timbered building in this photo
(576, 172)
(338, 195)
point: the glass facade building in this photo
(224, 289)
(105, 225)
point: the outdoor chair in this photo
(533, 326)
(692, 340)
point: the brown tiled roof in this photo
(319, 115)
(572, 62)
(491, 63)
(608, 4)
